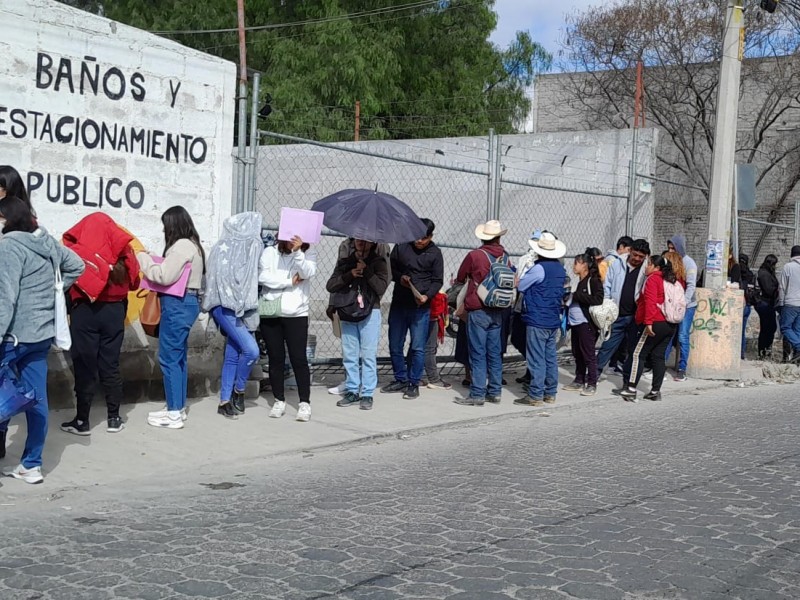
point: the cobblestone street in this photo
(697, 496)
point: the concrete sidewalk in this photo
(209, 443)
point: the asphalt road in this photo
(697, 496)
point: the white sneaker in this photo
(171, 420)
(337, 390)
(159, 414)
(32, 475)
(304, 412)
(278, 409)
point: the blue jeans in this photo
(401, 321)
(542, 362)
(30, 361)
(485, 353)
(623, 331)
(360, 340)
(684, 329)
(177, 317)
(790, 326)
(241, 352)
(747, 310)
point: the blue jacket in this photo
(543, 289)
(615, 279)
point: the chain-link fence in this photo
(457, 183)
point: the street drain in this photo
(225, 485)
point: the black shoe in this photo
(3, 444)
(349, 399)
(226, 410)
(628, 394)
(503, 382)
(395, 387)
(412, 392)
(365, 403)
(524, 379)
(493, 399)
(76, 427)
(469, 401)
(653, 395)
(237, 400)
(114, 425)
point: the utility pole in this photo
(723, 160)
(242, 130)
(716, 345)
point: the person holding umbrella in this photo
(356, 285)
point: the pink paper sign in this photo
(306, 224)
(176, 289)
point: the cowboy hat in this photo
(489, 230)
(548, 246)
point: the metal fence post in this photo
(631, 184)
(797, 223)
(498, 176)
(253, 154)
(491, 178)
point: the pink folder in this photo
(176, 289)
(304, 223)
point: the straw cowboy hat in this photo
(548, 246)
(489, 230)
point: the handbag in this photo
(269, 309)
(63, 339)
(150, 316)
(15, 397)
(355, 302)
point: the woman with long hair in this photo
(740, 273)
(678, 268)
(655, 331)
(766, 305)
(231, 298)
(29, 257)
(178, 314)
(284, 274)
(11, 184)
(589, 292)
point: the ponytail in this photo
(588, 258)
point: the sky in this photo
(543, 18)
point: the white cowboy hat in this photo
(548, 246)
(489, 230)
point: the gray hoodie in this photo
(679, 242)
(27, 283)
(789, 284)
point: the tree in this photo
(425, 70)
(680, 44)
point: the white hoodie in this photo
(275, 275)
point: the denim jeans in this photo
(790, 326)
(542, 362)
(747, 310)
(431, 348)
(623, 331)
(177, 317)
(360, 340)
(401, 322)
(485, 348)
(30, 361)
(241, 352)
(684, 329)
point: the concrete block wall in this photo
(62, 66)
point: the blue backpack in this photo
(497, 290)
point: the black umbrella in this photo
(372, 216)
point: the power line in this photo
(356, 15)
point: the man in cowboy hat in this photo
(543, 289)
(484, 324)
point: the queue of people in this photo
(625, 311)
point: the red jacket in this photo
(647, 309)
(475, 268)
(100, 242)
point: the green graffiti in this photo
(711, 325)
(716, 307)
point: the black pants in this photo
(768, 325)
(584, 339)
(293, 332)
(653, 347)
(97, 331)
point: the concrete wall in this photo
(100, 116)
(678, 209)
